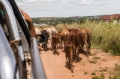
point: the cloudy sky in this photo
(67, 8)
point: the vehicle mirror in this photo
(40, 38)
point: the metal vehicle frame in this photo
(10, 67)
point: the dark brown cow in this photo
(55, 41)
(69, 52)
(73, 38)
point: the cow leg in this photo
(59, 45)
(45, 46)
(61, 42)
(77, 55)
(89, 48)
(66, 60)
(71, 62)
(82, 45)
(73, 53)
(71, 66)
(51, 46)
(42, 45)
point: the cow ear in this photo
(77, 27)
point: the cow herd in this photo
(73, 42)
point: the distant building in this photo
(114, 17)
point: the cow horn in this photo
(77, 27)
(66, 27)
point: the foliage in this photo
(105, 35)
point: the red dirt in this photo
(54, 65)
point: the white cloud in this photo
(88, 2)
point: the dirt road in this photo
(88, 67)
(98, 62)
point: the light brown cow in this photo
(63, 36)
(86, 40)
(37, 31)
(69, 52)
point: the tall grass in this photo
(106, 35)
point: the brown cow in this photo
(73, 38)
(55, 41)
(89, 39)
(69, 52)
(63, 36)
(85, 40)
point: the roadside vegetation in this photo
(105, 35)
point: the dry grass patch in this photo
(104, 59)
(85, 73)
(93, 61)
(96, 57)
(105, 69)
(102, 76)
